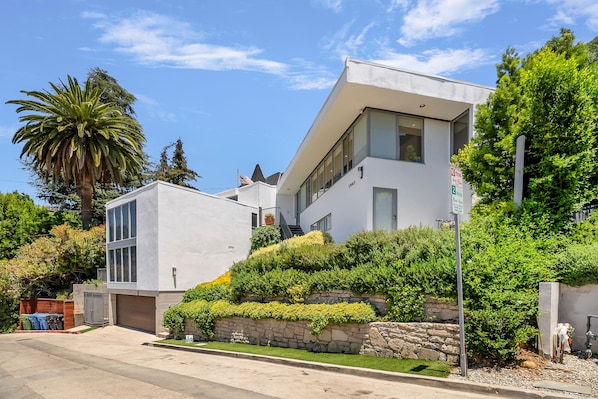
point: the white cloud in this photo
(441, 18)
(348, 42)
(154, 39)
(437, 62)
(154, 110)
(568, 11)
(8, 131)
(311, 77)
(334, 5)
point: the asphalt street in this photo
(113, 362)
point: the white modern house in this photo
(377, 155)
(163, 239)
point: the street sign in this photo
(456, 190)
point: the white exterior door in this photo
(385, 209)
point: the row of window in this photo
(323, 224)
(122, 222)
(122, 264)
(381, 134)
(122, 243)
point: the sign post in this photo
(457, 209)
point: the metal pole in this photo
(463, 352)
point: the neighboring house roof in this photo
(258, 175)
(369, 85)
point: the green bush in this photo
(264, 236)
(204, 314)
(214, 292)
(578, 265)
(405, 304)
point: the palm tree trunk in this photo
(85, 192)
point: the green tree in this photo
(64, 196)
(551, 98)
(559, 117)
(21, 221)
(176, 170)
(112, 92)
(70, 134)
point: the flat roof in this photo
(364, 84)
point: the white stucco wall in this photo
(575, 304)
(423, 189)
(200, 234)
(257, 195)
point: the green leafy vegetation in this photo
(48, 267)
(264, 236)
(550, 96)
(420, 367)
(204, 313)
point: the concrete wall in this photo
(575, 303)
(560, 303)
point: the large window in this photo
(323, 224)
(122, 243)
(410, 139)
(459, 133)
(377, 133)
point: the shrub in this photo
(319, 316)
(405, 304)
(578, 265)
(210, 292)
(315, 237)
(264, 236)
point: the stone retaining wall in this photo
(435, 309)
(431, 341)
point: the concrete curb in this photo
(434, 382)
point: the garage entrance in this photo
(136, 312)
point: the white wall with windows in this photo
(182, 237)
(258, 195)
(418, 181)
(382, 140)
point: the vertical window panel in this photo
(111, 265)
(133, 264)
(328, 171)
(133, 212)
(126, 275)
(118, 265)
(337, 155)
(460, 133)
(110, 225)
(125, 217)
(383, 135)
(348, 152)
(360, 140)
(314, 186)
(321, 188)
(118, 223)
(410, 139)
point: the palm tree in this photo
(70, 134)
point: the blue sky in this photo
(240, 82)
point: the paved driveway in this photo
(112, 362)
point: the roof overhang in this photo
(368, 85)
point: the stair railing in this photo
(284, 227)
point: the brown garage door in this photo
(136, 311)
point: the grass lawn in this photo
(420, 367)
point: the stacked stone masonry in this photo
(431, 341)
(435, 309)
